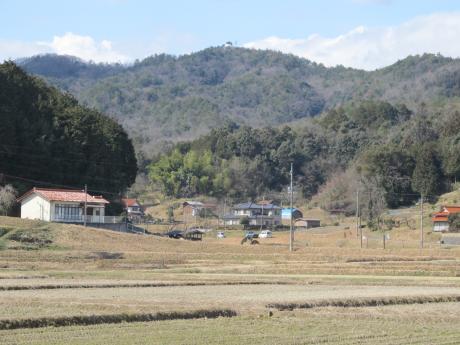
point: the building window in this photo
(64, 211)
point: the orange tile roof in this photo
(437, 218)
(444, 214)
(70, 195)
(129, 202)
(452, 209)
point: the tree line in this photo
(392, 154)
(47, 136)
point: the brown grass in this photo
(330, 250)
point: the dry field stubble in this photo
(398, 325)
(332, 252)
(330, 267)
(245, 299)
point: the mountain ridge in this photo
(163, 99)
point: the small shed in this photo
(197, 208)
(307, 223)
(194, 234)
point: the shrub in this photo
(454, 222)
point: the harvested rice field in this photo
(88, 286)
(244, 299)
(400, 325)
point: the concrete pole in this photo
(291, 232)
(357, 213)
(86, 201)
(421, 222)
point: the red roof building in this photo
(62, 205)
(133, 208)
(441, 219)
(68, 195)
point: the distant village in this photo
(80, 207)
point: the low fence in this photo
(90, 219)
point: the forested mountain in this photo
(46, 136)
(165, 99)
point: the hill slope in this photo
(47, 136)
(165, 98)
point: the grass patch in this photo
(4, 231)
(366, 302)
(106, 255)
(29, 239)
(113, 318)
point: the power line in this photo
(61, 174)
(55, 184)
(59, 159)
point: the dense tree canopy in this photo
(392, 155)
(47, 136)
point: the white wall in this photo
(35, 207)
(441, 226)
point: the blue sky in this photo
(325, 31)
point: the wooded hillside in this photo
(164, 99)
(47, 136)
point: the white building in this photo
(62, 205)
(133, 208)
(441, 219)
(265, 214)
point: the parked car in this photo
(175, 234)
(251, 234)
(220, 234)
(265, 234)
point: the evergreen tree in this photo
(427, 175)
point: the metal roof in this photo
(254, 206)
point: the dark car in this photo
(251, 234)
(175, 234)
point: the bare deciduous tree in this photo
(372, 201)
(7, 198)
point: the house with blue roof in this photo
(258, 214)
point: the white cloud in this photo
(84, 47)
(375, 47)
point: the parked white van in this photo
(265, 234)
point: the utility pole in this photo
(223, 216)
(357, 212)
(291, 233)
(86, 201)
(421, 221)
(262, 220)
